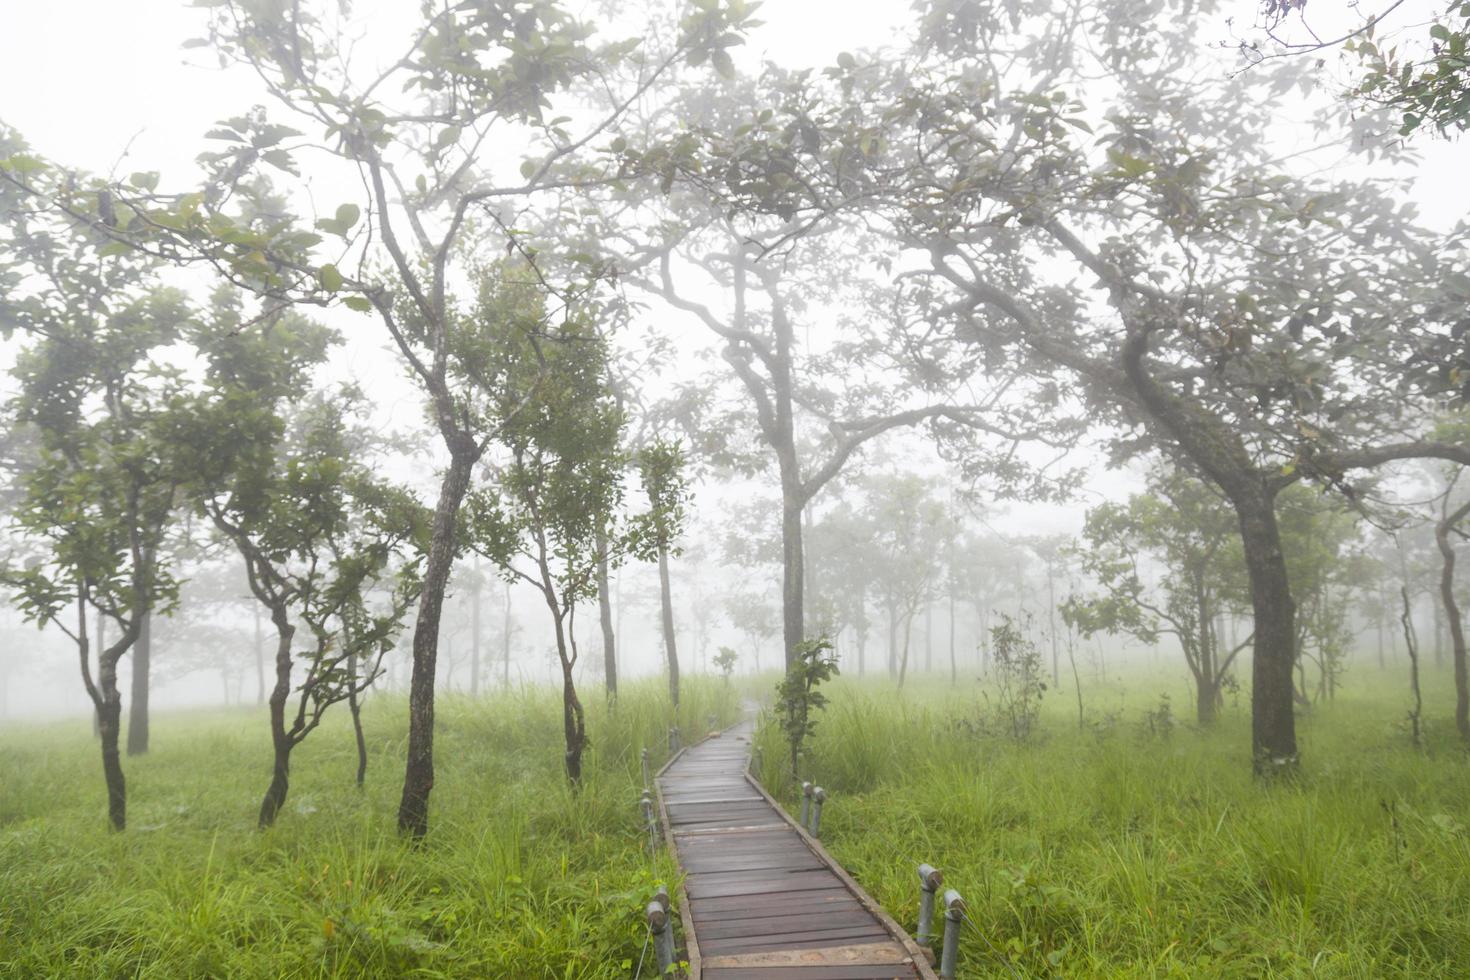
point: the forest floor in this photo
(1115, 849)
(518, 878)
(1124, 848)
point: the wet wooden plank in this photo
(760, 898)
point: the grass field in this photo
(1114, 852)
(1107, 851)
(519, 877)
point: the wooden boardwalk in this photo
(762, 900)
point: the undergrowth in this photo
(1130, 848)
(519, 877)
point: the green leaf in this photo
(114, 248)
(722, 63)
(447, 137)
(144, 180)
(846, 61)
(330, 277)
(359, 303)
(528, 168)
(347, 215)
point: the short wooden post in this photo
(806, 803)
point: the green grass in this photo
(518, 878)
(1109, 852)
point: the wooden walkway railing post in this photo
(954, 911)
(930, 878)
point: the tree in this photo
(97, 502)
(1182, 524)
(549, 518)
(661, 470)
(798, 698)
(907, 524)
(1253, 323)
(470, 76)
(294, 497)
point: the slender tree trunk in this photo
(1415, 713)
(259, 660)
(475, 635)
(505, 641)
(418, 775)
(1438, 612)
(908, 629)
(793, 565)
(1456, 622)
(605, 619)
(666, 607)
(281, 743)
(929, 638)
(356, 708)
(101, 644)
(573, 724)
(142, 654)
(109, 725)
(1051, 605)
(954, 670)
(1273, 724)
(892, 642)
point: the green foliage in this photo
(798, 698)
(1018, 671)
(725, 660)
(1430, 91)
(1106, 855)
(522, 878)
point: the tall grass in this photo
(1112, 852)
(520, 876)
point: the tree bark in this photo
(605, 619)
(109, 724)
(142, 655)
(356, 709)
(1273, 724)
(281, 742)
(666, 605)
(418, 775)
(1442, 533)
(793, 574)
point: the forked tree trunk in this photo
(418, 774)
(142, 655)
(666, 606)
(109, 725)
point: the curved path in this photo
(762, 899)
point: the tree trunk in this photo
(281, 744)
(475, 635)
(142, 654)
(908, 630)
(929, 638)
(666, 604)
(109, 724)
(101, 644)
(793, 571)
(1273, 725)
(1456, 621)
(605, 619)
(954, 670)
(505, 647)
(1051, 601)
(418, 775)
(259, 660)
(355, 707)
(1415, 713)
(892, 642)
